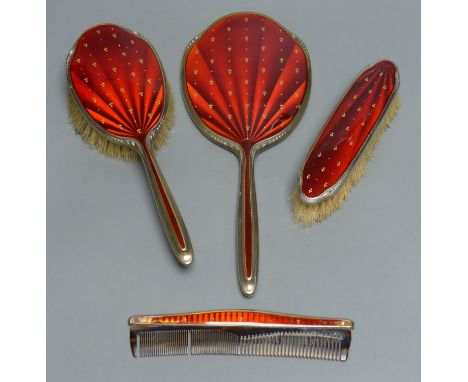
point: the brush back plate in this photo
(347, 131)
(117, 80)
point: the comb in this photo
(240, 332)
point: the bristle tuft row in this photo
(93, 138)
(308, 214)
(162, 136)
(96, 141)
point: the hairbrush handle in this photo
(172, 222)
(247, 226)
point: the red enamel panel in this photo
(245, 317)
(118, 80)
(349, 126)
(246, 78)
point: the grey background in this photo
(107, 255)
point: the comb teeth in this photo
(160, 343)
(216, 342)
(293, 344)
(325, 345)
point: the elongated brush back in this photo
(98, 142)
(308, 214)
(339, 155)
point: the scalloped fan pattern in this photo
(118, 80)
(246, 78)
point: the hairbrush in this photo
(120, 107)
(240, 332)
(244, 80)
(339, 156)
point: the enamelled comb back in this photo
(339, 156)
(118, 85)
(240, 332)
(244, 80)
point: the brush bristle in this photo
(308, 214)
(161, 137)
(98, 142)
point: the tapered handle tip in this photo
(185, 258)
(248, 286)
